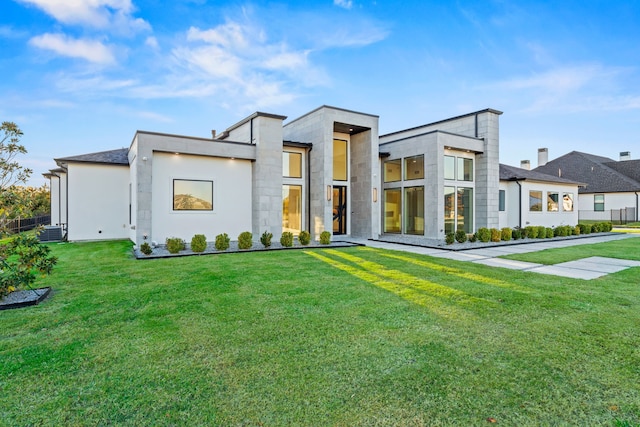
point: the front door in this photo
(339, 209)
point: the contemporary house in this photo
(611, 190)
(326, 170)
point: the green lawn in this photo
(343, 337)
(623, 249)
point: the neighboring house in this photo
(532, 198)
(326, 170)
(611, 190)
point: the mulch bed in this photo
(18, 299)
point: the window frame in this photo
(417, 159)
(531, 206)
(598, 204)
(397, 162)
(290, 153)
(202, 181)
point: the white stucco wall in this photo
(54, 199)
(611, 201)
(232, 207)
(545, 218)
(510, 217)
(98, 201)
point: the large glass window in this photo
(414, 210)
(392, 204)
(449, 167)
(192, 195)
(465, 169)
(291, 165)
(449, 209)
(292, 208)
(392, 170)
(465, 210)
(567, 202)
(340, 160)
(502, 200)
(552, 202)
(535, 201)
(414, 167)
(598, 202)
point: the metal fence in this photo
(616, 216)
(23, 224)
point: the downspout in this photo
(59, 202)
(519, 204)
(476, 131)
(308, 176)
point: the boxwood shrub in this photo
(549, 232)
(199, 243)
(286, 239)
(175, 244)
(496, 235)
(304, 237)
(449, 238)
(542, 232)
(461, 236)
(245, 240)
(325, 238)
(483, 234)
(505, 234)
(222, 242)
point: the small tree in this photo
(21, 259)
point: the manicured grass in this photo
(346, 337)
(623, 249)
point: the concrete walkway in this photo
(587, 269)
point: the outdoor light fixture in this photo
(329, 193)
(375, 194)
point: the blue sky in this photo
(80, 76)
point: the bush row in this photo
(245, 241)
(532, 232)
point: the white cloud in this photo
(346, 4)
(90, 50)
(151, 42)
(103, 14)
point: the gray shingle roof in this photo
(111, 157)
(596, 171)
(512, 173)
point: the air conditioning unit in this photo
(51, 233)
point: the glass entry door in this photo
(339, 209)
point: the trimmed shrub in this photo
(576, 230)
(549, 232)
(461, 236)
(199, 243)
(325, 238)
(175, 244)
(222, 242)
(286, 239)
(584, 228)
(595, 228)
(542, 232)
(606, 226)
(483, 234)
(531, 231)
(304, 238)
(146, 248)
(245, 240)
(506, 234)
(495, 235)
(473, 237)
(516, 233)
(449, 238)
(265, 239)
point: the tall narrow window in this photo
(465, 210)
(567, 202)
(598, 202)
(449, 209)
(535, 201)
(291, 165)
(340, 160)
(392, 204)
(502, 200)
(465, 169)
(414, 210)
(392, 170)
(449, 167)
(552, 202)
(292, 208)
(414, 167)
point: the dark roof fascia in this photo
(297, 144)
(226, 132)
(384, 154)
(520, 174)
(429, 133)
(486, 110)
(91, 158)
(331, 108)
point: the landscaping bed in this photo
(18, 299)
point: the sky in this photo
(81, 76)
